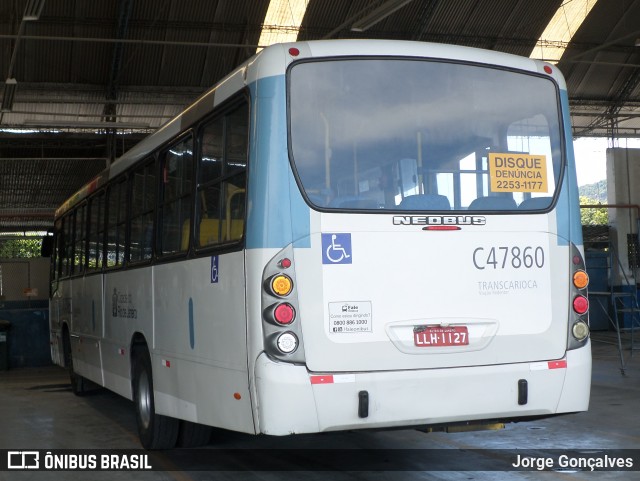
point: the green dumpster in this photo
(4, 345)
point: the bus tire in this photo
(78, 384)
(192, 435)
(155, 431)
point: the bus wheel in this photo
(192, 435)
(78, 384)
(155, 431)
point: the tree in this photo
(20, 248)
(593, 216)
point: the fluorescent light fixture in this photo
(33, 10)
(85, 125)
(379, 14)
(16, 130)
(282, 21)
(561, 29)
(10, 86)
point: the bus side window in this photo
(60, 247)
(116, 218)
(222, 178)
(233, 225)
(235, 165)
(175, 201)
(56, 254)
(80, 240)
(210, 171)
(67, 246)
(95, 255)
(143, 200)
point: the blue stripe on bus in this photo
(192, 328)
(568, 207)
(277, 214)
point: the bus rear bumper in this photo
(294, 400)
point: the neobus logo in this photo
(439, 220)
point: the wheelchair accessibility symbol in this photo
(214, 269)
(336, 248)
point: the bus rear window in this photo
(415, 135)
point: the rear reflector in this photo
(322, 379)
(332, 378)
(561, 364)
(543, 366)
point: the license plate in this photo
(437, 336)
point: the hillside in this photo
(596, 192)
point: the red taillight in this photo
(442, 227)
(285, 263)
(284, 314)
(580, 304)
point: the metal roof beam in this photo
(176, 43)
(124, 16)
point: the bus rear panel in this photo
(433, 242)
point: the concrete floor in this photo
(38, 411)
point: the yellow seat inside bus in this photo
(209, 229)
(209, 232)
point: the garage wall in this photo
(24, 293)
(24, 279)
(623, 188)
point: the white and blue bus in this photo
(338, 235)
